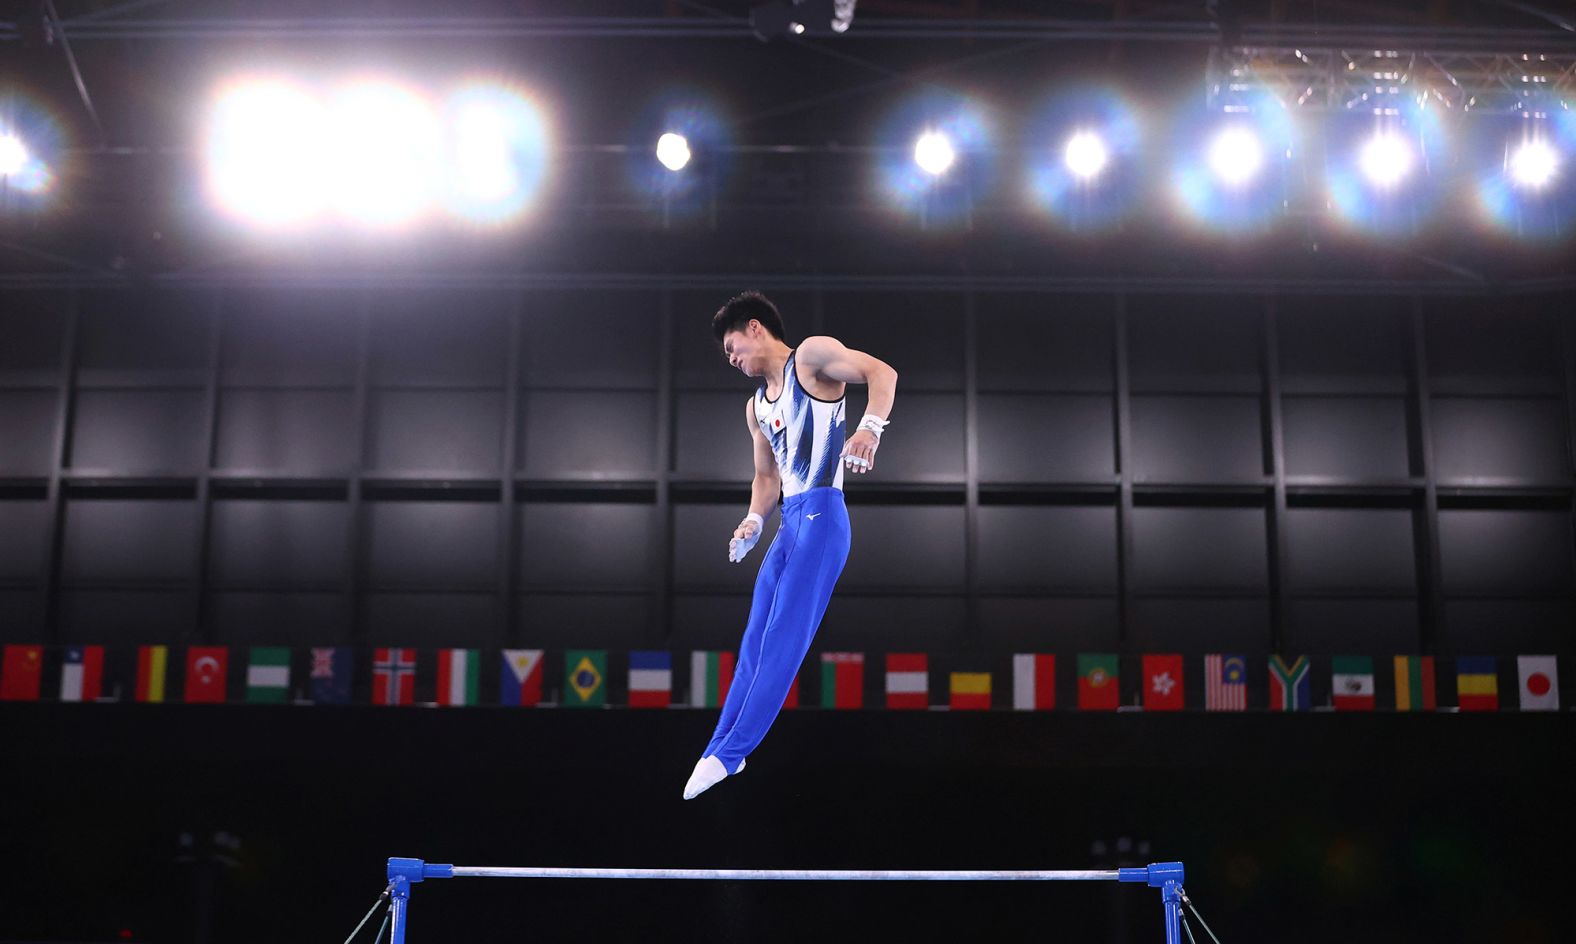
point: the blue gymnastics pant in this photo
(791, 593)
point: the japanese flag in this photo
(1540, 683)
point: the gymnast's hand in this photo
(744, 537)
(859, 453)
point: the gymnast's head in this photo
(748, 331)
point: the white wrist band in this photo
(759, 521)
(873, 423)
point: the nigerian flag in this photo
(268, 675)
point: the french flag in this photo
(650, 679)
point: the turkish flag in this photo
(1162, 682)
(206, 667)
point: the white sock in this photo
(708, 771)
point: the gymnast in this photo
(796, 423)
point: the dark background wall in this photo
(1066, 472)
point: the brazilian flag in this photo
(585, 678)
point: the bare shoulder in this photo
(818, 349)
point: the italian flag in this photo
(1352, 683)
(710, 675)
(970, 691)
(1414, 683)
(459, 676)
(907, 680)
(842, 680)
(268, 675)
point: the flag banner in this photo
(520, 684)
(650, 679)
(1225, 682)
(1414, 683)
(585, 678)
(970, 691)
(1289, 687)
(1033, 682)
(1162, 682)
(907, 680)
(459, 677)
(394, 676)
(82, 674)
(1352, 683)
(329, 681)
(1099, 685)
(1477, 683)
(1539, 678)
(710, 675)
(206, 671)
(842, 680)
(792, 699)
(268, 675)
(21, 673)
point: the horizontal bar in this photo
(820, 875)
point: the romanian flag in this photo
(152, 663)
(1414, 683)
(842, 680)
(1099, 686)
(970, 691)
(1477, 683)
(907, 680)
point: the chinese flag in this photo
(21, 673)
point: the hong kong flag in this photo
(1162, 682)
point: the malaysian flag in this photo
(394, 677)
(1226, 683)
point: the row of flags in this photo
(455, 677)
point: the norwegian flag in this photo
(394, 677)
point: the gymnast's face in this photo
(745, 348)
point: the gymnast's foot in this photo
(707, 773)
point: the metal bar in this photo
(1430, 572)
(1123, 431)
(972, 638)
(791, 875)
(508, 528)
(1275, 451)
(212, 393)
(65, 422)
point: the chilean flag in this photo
(82, 674)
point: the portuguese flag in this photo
(1099, 686)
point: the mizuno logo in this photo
(812, 517)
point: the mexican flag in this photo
(1352, 683)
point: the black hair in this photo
(740, 310)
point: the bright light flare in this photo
(13, 155)
(263, 147)
(673, 151)
(1236, 156)
(1533, 164)
(1386, 159)
(385, 153)
(934, 154)
(1086, 155)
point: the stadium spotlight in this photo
(1086, 155)
(797, 17)
(673, 151)
(933, 153)
(1236, 156)
(1532, 164)
(13, 155)
(1385, 159)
